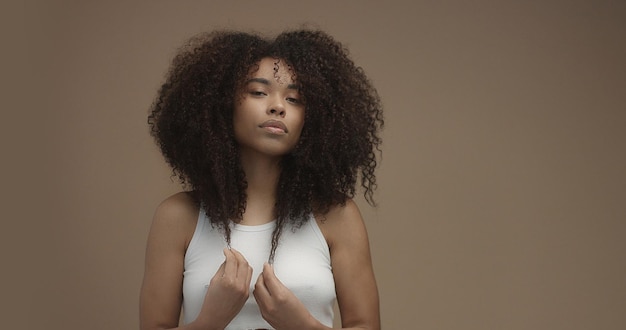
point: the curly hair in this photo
(191, 120)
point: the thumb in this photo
(269, 278)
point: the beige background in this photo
(502, 186)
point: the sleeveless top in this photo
(301, 263)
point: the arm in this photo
(357, 294)
(161, 293)
(354, 279)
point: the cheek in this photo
(239, 124)
(299, 125)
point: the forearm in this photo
(190, 326)
(323, 327)
(314, 324)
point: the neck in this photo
(262, 174)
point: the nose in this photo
(276, 108)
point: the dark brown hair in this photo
(191, 121)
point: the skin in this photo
(265, 96)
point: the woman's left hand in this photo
(279, 306)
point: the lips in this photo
(274, 124)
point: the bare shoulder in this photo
(176, 217)
(342, 222)
(178, 204)
(172, 228)
(351, 261)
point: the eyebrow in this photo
(267, 82)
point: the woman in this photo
(269, 137)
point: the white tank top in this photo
(301, 263)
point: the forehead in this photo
(273, 69)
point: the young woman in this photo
(270, 137)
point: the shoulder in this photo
(176, 218)
(178, 205)
(170, 233)
(351, 263)
(342, 223)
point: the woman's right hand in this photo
(227, 292)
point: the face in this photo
(269, 114)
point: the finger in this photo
(230, 264)
(270, 281)
(249, 275)
(242, 265)
(260, 290)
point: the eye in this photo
(293, 100)
(257, 93)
